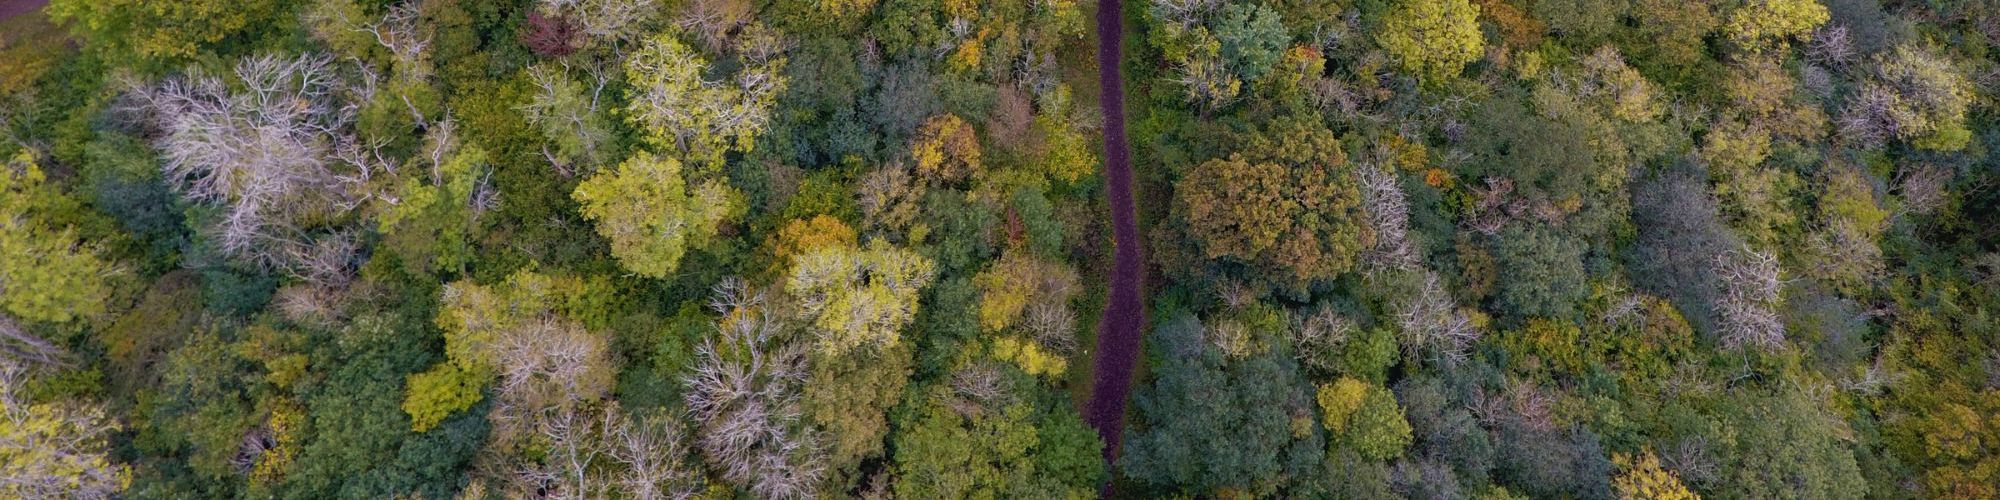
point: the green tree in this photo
(1787, 446)
(645, 208)
(1432, 39)
(436, 223)
(962, 446)
(1545, 272)
(1252, 38)
(1645, 479)
(1377, 429)
(1207, 422)
(567, 116)
(165, 30)
(848, 397)
(1915, 95)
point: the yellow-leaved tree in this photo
(54, 450)
(645, 208)
(1759, 24)
(1432, 39)
(1645, 479)
(858, 296)
(47, 271)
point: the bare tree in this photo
(615, 22)
(264, 155)
(744, 393)
(1691, 460)
(574, 439)
(1053, 325)
(978, 387)
(1388, 215)
(1831, 46)
(1431, 320)
(653, 451)
(18, 346)
(407, 40)
(1184, 13)
(1867, 118)
(1317, 337)
(1923, 187)
(1748, 303)
(549, 367)
(712, 22)
(620, 21)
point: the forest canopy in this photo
(457, 249)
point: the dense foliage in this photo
(854, 248)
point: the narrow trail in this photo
(11, 8)
(1118, 331)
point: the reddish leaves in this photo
(551, 36)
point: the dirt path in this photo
(1118, 331)
(11, 8)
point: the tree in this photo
(799, 236)
(1645, 479)
(1913, 95)
(652, 219)
(1432, 39)
(173, 30)
(1674, 31)
(1285, 207)
(1025, 301)
(1019, 287)
(1843, 252)
(48, 271)
(1813, 461)
(945, 150)
(1545, 276)
(1748, 303)
(976, 439)
(1432, 323)
(269, 157)
(1211, 423)
(847, 398)
(744, 394)
(858, 296)
(1377, 429)
(1339, 401)
(528, 333)
(1252, 38)
(1680, 231)
(653, 449)
(567, 116)
(679, 108)
(614, 21)
(435, 221)
(54, 450)
(550, 35)
(1758, 24)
